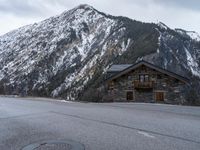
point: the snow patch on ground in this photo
(146, 134)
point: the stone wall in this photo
(161, 82)
(144, 95)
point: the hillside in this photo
(67, 55)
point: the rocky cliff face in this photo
(68, 55)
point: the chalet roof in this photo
(130, 67)
(118, 68)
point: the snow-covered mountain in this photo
(68, 55)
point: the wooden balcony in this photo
(143, 85)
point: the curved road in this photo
(106, 126)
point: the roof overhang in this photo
(152, 66)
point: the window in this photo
(129, 77)
(144, 78)
(141, 78)
(111, 85)
(129, 96)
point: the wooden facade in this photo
(145, 82)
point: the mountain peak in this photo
(84, 6)
(163, 26)
(78, 10)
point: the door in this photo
(159, 96)
(129, 96)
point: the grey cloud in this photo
(171, 12)
(34, 8)
(18, 7)
(188, 4)
(26, 8)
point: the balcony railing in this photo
(145, 84)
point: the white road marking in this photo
(146, 134)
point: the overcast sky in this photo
(174, 13)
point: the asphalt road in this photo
(108, 126)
